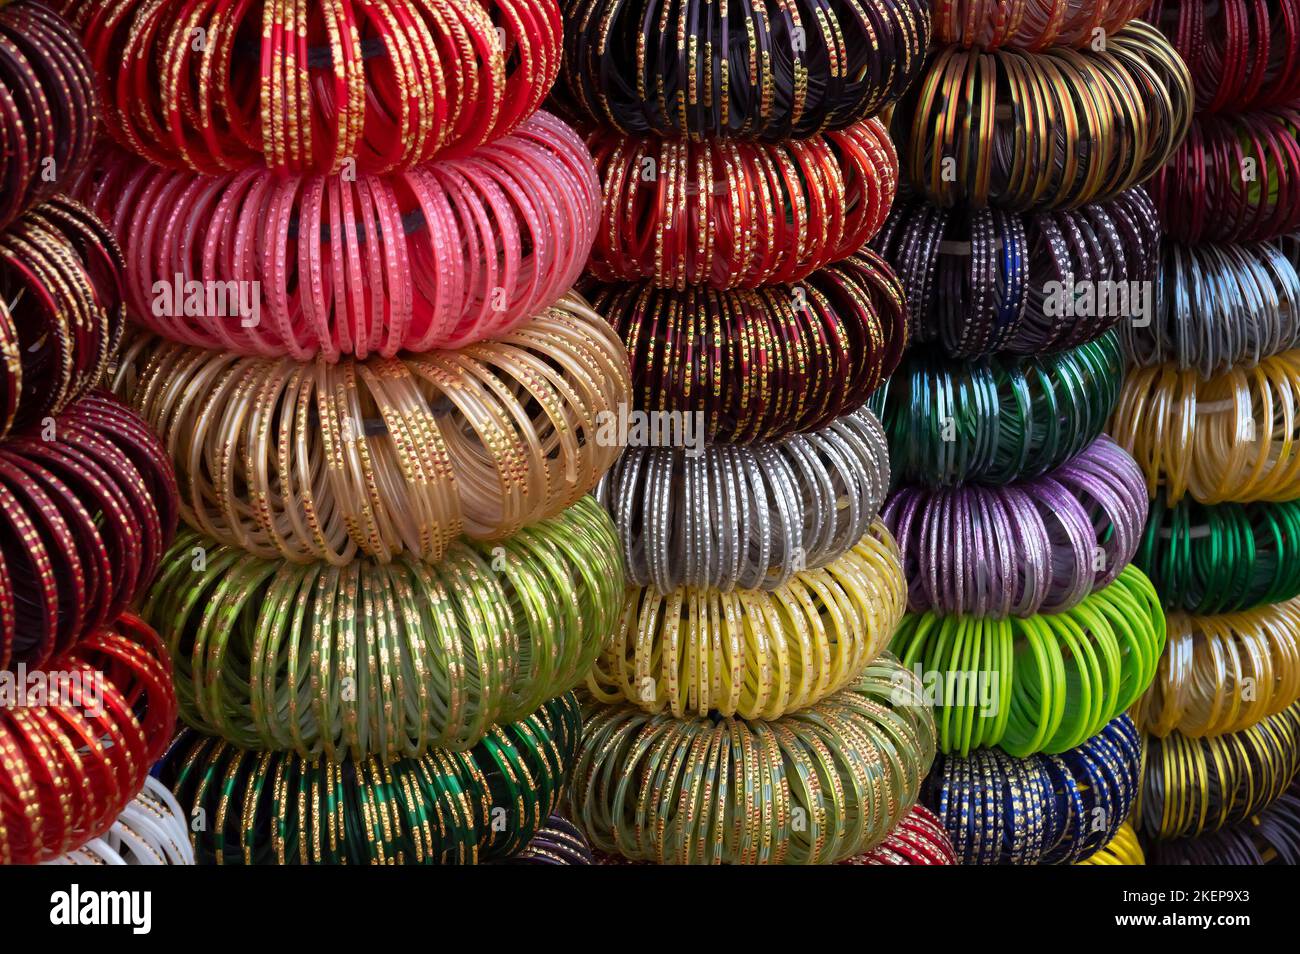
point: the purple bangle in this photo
(1033, 546)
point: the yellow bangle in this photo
(1123, 849)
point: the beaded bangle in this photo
(47, 106)
(440, 808)
(728, 214)
(747, 517)
(1039, 684)
(1045, 809)
(996, 419)
(986, 280)
(68, 768)
(1030, 24)
(1270, 838)
(814, 787)
(442, 255)
(1038, 546)
(1191, 786)
(1223, 558)
(753, 654)
(558, 842)
(918, 839)
(61, 311)
(756, 69)
(1123, 849)
(386, 660)
(760, 364)
(88, 504)
(1224, 673)
(150, 831)
(316, 461)
(316, 87)
(1234, 179)
(1048, 130)
(1231, 438)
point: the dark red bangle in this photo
(1029, 24)
(919, 839)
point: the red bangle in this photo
(919, 839)
(1029, 24)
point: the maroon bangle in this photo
(919, 839)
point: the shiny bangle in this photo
(1044, 809)
(754, 654)
(1030, 24)
(1018, 549)
(762, 69)
(439, 808)
(729, 516)
(1271, 837)
(392, 660)
(1123, 849)
(1042, 683)
(1051, 130)
(390, 455)
(1226, 439)
(760, 364)
(558, 842)
(996, 419)
(441, 255)
(813, 787)
(738, 214)
(918, 839)
(151, 830)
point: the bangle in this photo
(1219, 306)
(1270, 838)
(1019, 549)
(386, 660)
(390, 455)
(440, 808)
(1123, 849)
(1222, 558)
(558, 842)
(985, 280)
(738, 214)
(61, 312)
(996, 419)
(754, 654)
(1201, 438)
(1050, 130)
(1030, 24)
(151, 830)
(1234, 179)
(47, 106)
(1038, 684)
(375, 86)
(1040, 810)
(814, 787)
(1192, 786)
(69, 767)
(88, 503)
(918, 839)
(441, 255)
(760, 69)
(760, 364)
(730, 516)
(1224, 673)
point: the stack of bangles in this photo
(440, 255)
(558, 842)
(1235, 179)
(1243, 55)
(151, 830)
(47, 106)
(321, 461)
(1029, 24)
(68, 770)
(1191, 786)
(728, 214)
(1040, 810)
(986, 280)
(61, 314)
(757, 69)
(760, 364)
(747, 516)
(315, 85)
(1218, 306)
(1231, 438)
(441, 807)
(1000, 418)
(918, 839)
(1042, 683)
(750, 653)
(1223, 558)
(1123, 849)
(1050, 130)
(1224, 673)
(1035, 546)
(1270, 837)
(87, 506)
(813, 787)
(386, 659)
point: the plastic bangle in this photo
(151, 830)
(1270, 838)
(918, 839)
(1123, 849)
(558, 842)
(1030, 24)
